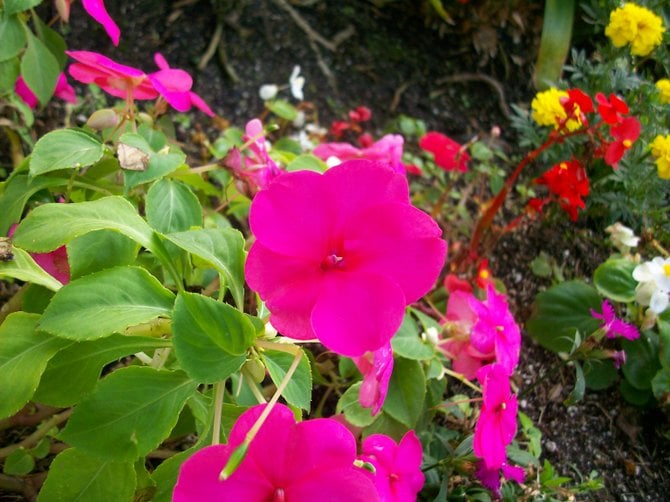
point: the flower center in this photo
(332, 262)
(627, 143)
(666, 269)
(279, 495)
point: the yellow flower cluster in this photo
(663, 87)
(660, 148)
(637, 26)
(548, 110)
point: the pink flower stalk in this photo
(175, 87)
(448, 154)
(376, 368)
(286, 461)
(332, 251)
(63, 91)
(496, 330)
(96, 9)
(112, 77)
(54, 263)
(612, 325)
(398, 476)
(490, 478)
(496, 426)
(387, 151)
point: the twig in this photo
(223, 59)
(304, 25)
(211, 48)
(35, 437)
(493, 83)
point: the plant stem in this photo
(35, 437)
(219, 390)
(462, 378)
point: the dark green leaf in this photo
(614, 279)
(641, 360)
(12, 34)
(351, 407)
(577, 393)
(15, 6)
(99, 250)
(18, 463)
(407, 389)
(39, 69)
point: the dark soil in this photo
(460, 79)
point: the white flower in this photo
(622, 237)
(333, 161)
(654, 284)
(268, 91)
(296, 82)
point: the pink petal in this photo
(24, 92)
(64, 90)
(343, 151)
(357, 312)
(174, 86)
(459, 309)
(96, 9)
(488, 442)
(514, 472)
(333, 485)
(161, 62)
(200, 104)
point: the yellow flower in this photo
(663, 86)
(637, 26)
(548, 110)
(660, 148)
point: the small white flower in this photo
(297, 83)
(653, 289)
(268, 91)
(622, 237)
(333, 161)
(431, 335)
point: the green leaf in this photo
(577, 393)
(298, 392)
(282, 108)
(15, 6)
(160, 164)
(223, 249)
(129, 413)
(53, 41)
(18, 463)
(99, 250)
(307, 162)
(635, 396)
(76, 476)
(64, 149)
(106, 302)
(561, 310)
(614, 279)
(24, 353)
(407, 390)
(350, 405)
(210, 338)
(600, 374)
(12, 34)
(40, 69)
(52, 225)
(660, 384)
(642, 361)
(74, 371)
(406, 342)
(9, 71)
(165, 475)
(554, 43)
(387, 425)
(172, 207)
(24, 268)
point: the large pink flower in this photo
(112, 77)
(496, 426)
(387, 151)
(338, 256)
(398, 476)
(286, 461)
(376, 368)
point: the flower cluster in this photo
(637, 26)
(660, 149)
(663, 86)
(653, 289)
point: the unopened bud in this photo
(365, 465)
(234, 461)
(255, 369)
(103, 119)
(145, 118)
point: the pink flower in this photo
(387, 151)
(296, 462)
(496, 330)
(63, 91)
(448, 154)
(496, 426)
(614, 326)
(96, 9)
(398, 476)
(112, 77)
(175, 87)
(376, 368)
(54, 263)
(333, 251)
(490, 478)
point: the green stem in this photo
(219, 390)
(35, 437)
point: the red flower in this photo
(484, 275)
(624, 133)
(569, 182)
(611, 109)
(360, 114)
(449, 155)
(577, 104)
(338, 127)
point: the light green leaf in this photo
(298, 392)
(76, 476)
(129, 413)
(73, 371)
(15, 6)
(12, 34)
(282, 108)
(555, 42)
(350, 405)
(614, 279)
(307, 162)
(106, 302)
(18, 463)
(577, 393)
(39, 68)
(406, 342)
(210, 338)
(24, 268)
(99, 250)
(64, 149)
(9, 72)
(24, 353)
(406, 393)
(172, 207)
(160, 164)
(223, 249)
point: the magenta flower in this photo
(286, 461)
(175, 87)
(490, 478)
(96, 9)
(398, 476)
(376, 368)
(387, 151)
(63, 91)
(338, 256)
(496, 426)
(496, 330)
(114, 78)
(614, 326)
